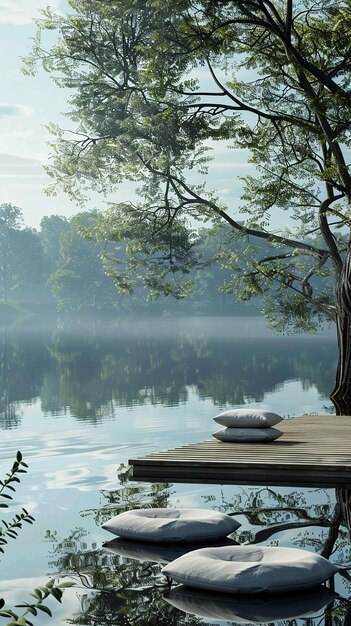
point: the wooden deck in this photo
(315, 450)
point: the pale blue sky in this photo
(27, 104)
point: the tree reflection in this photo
(269, 513)
(120, 590)
(23, 360)
(89, 374)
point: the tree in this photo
(276, 83)
(52, 229)
(22, 273)
(10, 220)
(28, 267)
(79, 281)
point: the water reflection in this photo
(253, 610)
(89, 372)
(158, 553)
(269, 516)
(119, 586)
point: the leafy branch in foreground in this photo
(40, 593)
(10, 529)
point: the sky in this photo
(27, 104)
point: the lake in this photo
(78, 401)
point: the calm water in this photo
(79, 402)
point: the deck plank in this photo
(314, 450)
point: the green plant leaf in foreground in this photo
(9, 529)
(41, 594)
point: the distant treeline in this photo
(56, 267)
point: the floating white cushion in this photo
(250, 569)
(171, 525)
(246, 609)
(248, 434)
(247, 418)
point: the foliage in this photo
(276, 84)
(10, 530)
(52, 229)
(22, 267)
(62, 264)
(79, 280)
(153, 257)
(40, 594)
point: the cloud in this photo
(14, 110)
(28, 166)
(23, 11)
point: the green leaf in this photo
(45, 609)
(12, 534)
(32, 610)
(57, 593)
(36, 593)
(66, 585)
(49, 584)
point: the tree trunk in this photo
(341, 394)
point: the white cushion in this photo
(250, 569)
(247, 418)
(245, 609)
(248, 434)
(171, 525)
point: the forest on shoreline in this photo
(54, 269)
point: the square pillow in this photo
(254, 435)
(247, 418)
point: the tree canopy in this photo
(154, 85)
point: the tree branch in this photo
(292, 243)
